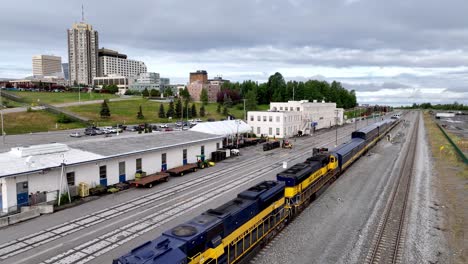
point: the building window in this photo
(264, 119)
(281, 108)
(277, 131)
(298, 109)
(202, 150)
(258, 130)
(259, 118)
(184, 154)
(270, 131)
(163, 158)
(138, 164)
(270, 118)
(103, 172)
(122, 168)
(251, 118)
(71, 178)
(277, 119)
(217, 146)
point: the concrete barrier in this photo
(45, 208)
(23, 216)
(3, 221)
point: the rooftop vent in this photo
(39, 149)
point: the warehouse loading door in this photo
(22, 197)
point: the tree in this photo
(251, 101)
(202, 111)
(194, 111)
(105, 111)
(161, 113)
(185, 94)
(145, 93)
(225, 111)
(140, 114)
(168, 92)
(170, 111)
(178, 109)
(112, 89)
(218, 109)
(155, 93)
(204, 96)
(227, 102)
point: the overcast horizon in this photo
(390, 52)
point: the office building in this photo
(66, 73)
(123, 82)
(83, 42)
(200, 75)
(113, 62)
(147, 80)
(46, 65)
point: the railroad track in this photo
(29, 242)
(389, 239)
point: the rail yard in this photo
(347, 221)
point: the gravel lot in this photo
(339, 225)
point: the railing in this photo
(457, 149)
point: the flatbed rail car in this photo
(150, 180)
(181, 170)
(271, 145)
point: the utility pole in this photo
(1, 115)
(336, 128)
(245, 114)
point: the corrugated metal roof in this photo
(224, 128)
(13, 162)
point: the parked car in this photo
(90, 132)
(76, 134)
(163, 126)
(179, 124)
(198, 120)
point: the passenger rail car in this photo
(232, 231)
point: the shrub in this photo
(64, 119)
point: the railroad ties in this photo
(388, 243)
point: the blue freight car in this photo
(367, 133)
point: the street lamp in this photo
(336, 128)
(1, 115)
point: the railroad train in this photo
(238, 228)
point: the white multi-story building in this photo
(275, 124)
(83, 45)
(286, 119)
(46, 65)
(122, 82)
(112, 62)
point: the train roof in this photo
(348, 146)
(296, 170)
(152, 250)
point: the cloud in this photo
(368, 45)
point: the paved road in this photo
(125, 220)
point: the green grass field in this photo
(57, 98)
(125, 112)
(36, 121)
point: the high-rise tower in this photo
(83, 45)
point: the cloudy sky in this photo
(391, 52)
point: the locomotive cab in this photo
(333, 163)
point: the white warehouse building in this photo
(286, 119)
(27, 171)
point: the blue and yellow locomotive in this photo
(230, 232)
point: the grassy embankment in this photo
(451, 176)
(35, 121)
(57, 98)
(125, 112)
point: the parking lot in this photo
(62, 136)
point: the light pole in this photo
(245, 114)
(336, 128)
(237, 134)
(1, 115)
